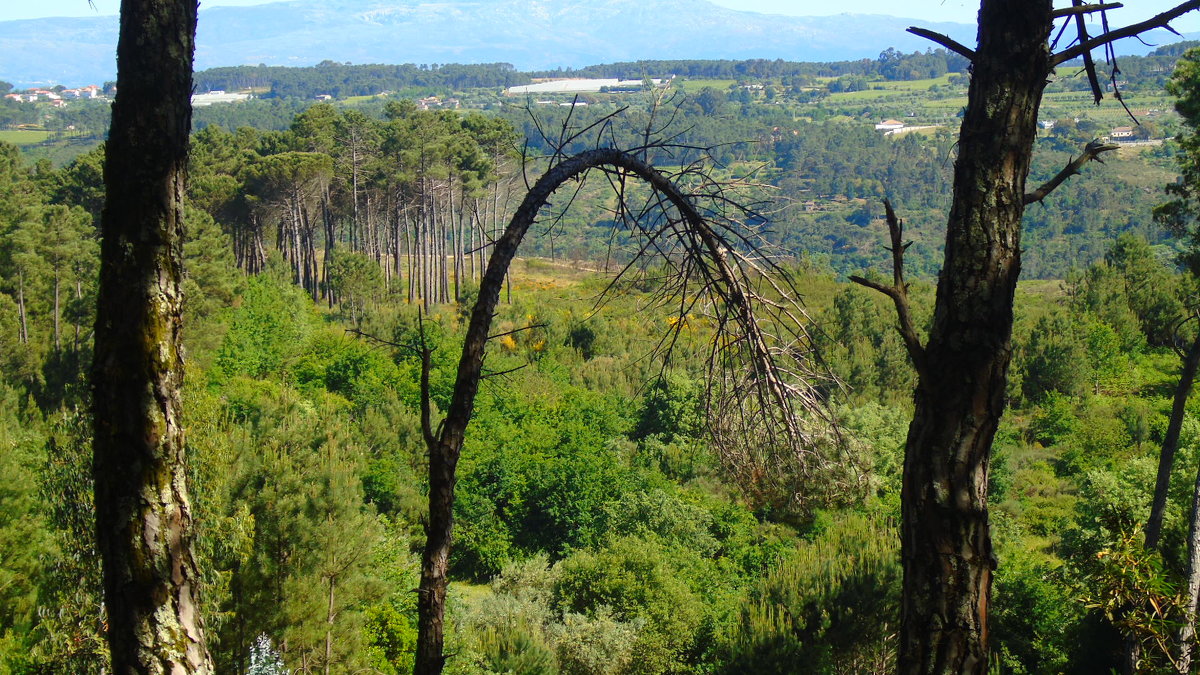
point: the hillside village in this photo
(56, 96)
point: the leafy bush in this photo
(832, 604)
(271, 325)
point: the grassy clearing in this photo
(885, 91)
(695, 86)
(356, 100)
(24, 137)
(912, 85)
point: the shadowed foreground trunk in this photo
(1191, 595)
(143, 516)
(946, 544)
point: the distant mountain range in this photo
(530, 34)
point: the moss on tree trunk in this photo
(143, 515)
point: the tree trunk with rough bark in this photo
(143, 515)
(1191, 595)
(946, 545)
(1170, 444)
(23, 333)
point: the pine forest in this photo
(686, 448)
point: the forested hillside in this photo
(598, 529)
(805, 131)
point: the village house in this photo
(91, 91)
(1121, 134)
(889, 125)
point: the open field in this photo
(884, 90)
(695, 86)
(24, 137)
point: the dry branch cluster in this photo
(699, 239)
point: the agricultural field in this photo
(23, 137)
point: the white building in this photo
(200, 100)
(578, 86)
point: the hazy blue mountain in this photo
(530, 34)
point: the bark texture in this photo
(143, 515)
(945, 541)
(1191, 596)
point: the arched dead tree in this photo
(764, 379)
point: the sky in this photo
(962, 11)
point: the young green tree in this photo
(309, 569)
(1182, 215)
(25, 539)
(68, 248)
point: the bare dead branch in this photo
(1089, 65)
(1159, 21)
(945, 41)
(381, 341)
(484, 376)
(1090, 152)
(765, 406)
(517, 330)
(1084, 9)
(755, 391)
(898, 291)
(426, 366)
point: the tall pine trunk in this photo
(1170, 444)
(1187, 631)
(143, 514)
(946, 545)
(23, 333)
(57, 310)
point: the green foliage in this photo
(1054, 421)
(350, 368)
(211, 272)
(639, 581)
(1036, 619)
(1128, 586)
(863, 348)
(70, 632)
(1056, 360)
(355, 280)
(660, 516)
(266, 330)
(390, 631)
(391, 634)
(1180, 213)
(537, 473)
(26, 541)
(670, 410)
(832, 604)
(300, 543)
